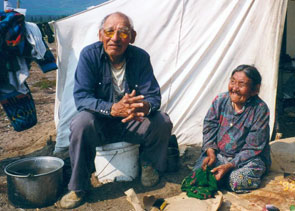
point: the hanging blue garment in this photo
(17, 102)
(12, 31)
(20, 110)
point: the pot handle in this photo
(18, 174)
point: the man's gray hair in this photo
(119, 13)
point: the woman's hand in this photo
(221, 170)
(210, 159)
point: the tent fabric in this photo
(194, 46)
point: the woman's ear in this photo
(256, 90)
(133, 35)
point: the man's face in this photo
(239, 88)
(115, 35)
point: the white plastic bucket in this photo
(116, 162)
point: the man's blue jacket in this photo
(93, 88)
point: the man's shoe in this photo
(72, 200)
(149, 176)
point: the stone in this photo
(283, 155)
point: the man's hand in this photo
(221, 170)
(210, 159)
(130, 107)
(121, 108)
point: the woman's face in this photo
(240, 88)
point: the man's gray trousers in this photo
(89, 130)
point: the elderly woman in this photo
(236, 133)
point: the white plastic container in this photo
(116, 162)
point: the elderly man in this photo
(118, 98)
(236, 133)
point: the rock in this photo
(283, 156)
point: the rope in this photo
(107, 163)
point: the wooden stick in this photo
(132, 198)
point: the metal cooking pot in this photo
(34, 182)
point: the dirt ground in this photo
(40, 140)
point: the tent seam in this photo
(177, 55)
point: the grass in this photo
(44, 83)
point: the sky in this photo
(53, 7)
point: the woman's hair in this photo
(251, 72)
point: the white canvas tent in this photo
(194, 45)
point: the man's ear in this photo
(133, 35)
(100, 35)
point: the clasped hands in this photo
(130, 107)
(218, 171)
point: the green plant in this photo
(44, 83)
